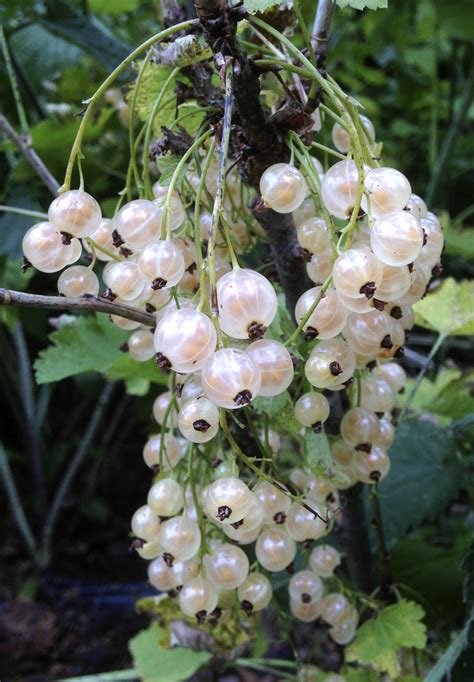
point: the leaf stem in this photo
(436, 346)
(20, 109)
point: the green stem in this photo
(149, 130)
(14, 85)
(436, 346)
(74, 464)
(197, 230)
(16, 505)
(217, 209)
(200, 516)
(291, 339)
(131, 123)
(184, 25)
(24, 211)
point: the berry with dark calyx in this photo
(223, 513)
(163, 363)
(246, 607)
(158, 283)
(335, 368)
(168, 559)
(243, 398)
(279, 518)
(364, 447)
(256, 330)
(201, 425)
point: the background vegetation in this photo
(412, 66)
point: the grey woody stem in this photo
(88, 304)
(321, 27)
(30, 155)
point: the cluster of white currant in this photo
(367, 274)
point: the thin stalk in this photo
(83, 449)
(131, 123)
(24, 211)
(197, 230)
(291, 339)
(20, 109)
(149, 130)
(166, 224)
(106, 85)
(436, 346)
(29, 409)
(98, 247)
(328, 150)
(16, 505)
(217, 209)
(200, 516)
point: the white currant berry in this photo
(275, 365)
(159, 575)
(328, 318)
(103, 237)
(186, 338)
(162, 457)
(307, 613)
(177, 212)
(76, 213)
(397, 238)
(303, 524)
(396, 281)
(184, 571)
(227, 566)
(305, 586)
(162, 264)
(417, 207)
(180, 537)
(320, 266)
(150, 550)
(275, 549)
(371, 467)
(313, 235)
(393, 373)
(331, 362)
(43, 247)
(248, 526)
(324, 560)
(255, 593)
(335, 608)
(367, 333)
(124, 279)
(357, 271)
(376, 395)
(388, 191)
(198, 597)
(145, 523)
(76, 251)
(339, 188)
(140, 345)
(283, 187)
(312, 410)
(166, 497)
(247, 303)
(386, 436)
(433, 243)
(78, 281)
(231, 378)
(161, 406)
(191, 389)
(198, 420)
(341, 138)
(228, 500)
(343, 633)
(342, 452)
(138, 223)
(273, 501)
(360, 427)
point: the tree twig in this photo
(30, 155)
(16, 505)
(29, 409)
(321, 28)
(88, 304)
(74, 464)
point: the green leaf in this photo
(378, 640)
(459, 242)
(449, 309)
(456, 400)
(363, 4)
(14, 225)
(428, 390)
(279, 410)
(183, 51)
(317, 453)
(446, 663)
(88, 344)
(127, 369)
(425, 475)
(154, 663)
(150, 87)
(254, 6)
(468, 566)
(423, 566)
(113, 6)
(360, 675)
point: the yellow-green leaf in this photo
(449, 310)
(378, 640)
